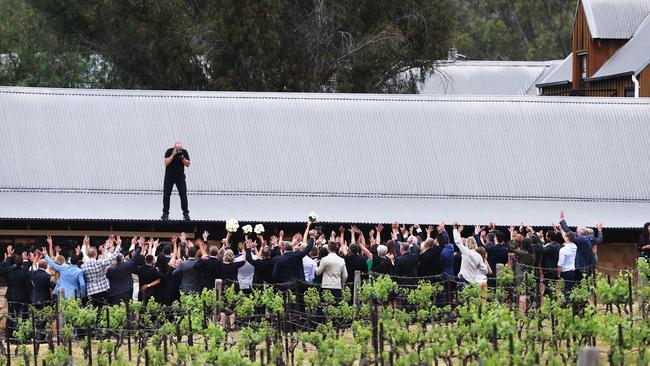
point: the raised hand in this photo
(205, 235)
(49, 242)
(429, 230)
(86, 241)
(478, 229)
(134, 240)
(174, 238)
(379, 227)
(118, 241)
(561, 214)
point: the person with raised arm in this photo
(71, 278)
(97, 284)
(288, 266)
(585, 261)
(473, 268)
(120, 277)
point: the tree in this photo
(258, 45)
(515, 29)
(31, 55)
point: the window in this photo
(583, 65)
(628, 92)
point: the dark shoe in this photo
(186, 217)
(164, 217)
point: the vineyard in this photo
(377, 322)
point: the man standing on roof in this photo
(176, 159)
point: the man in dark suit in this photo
(406, 266)
(430, 261)
(148, 279)
(120, 279)
(41, 291)
(288, 267)
(497, 252)
(208, 268)
(41, 294)
(585, 261)
(18, 293)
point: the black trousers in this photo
(167, 192)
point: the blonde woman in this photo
(473, 268)
(228, 273)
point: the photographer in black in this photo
(176, 159)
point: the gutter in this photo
(636, 86)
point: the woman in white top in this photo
(473, 268)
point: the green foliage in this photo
(515, 29)
(248, 45)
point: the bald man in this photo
(176, 159)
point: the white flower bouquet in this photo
(259, 229)
(313, 217)
(247, 229)
(232, 225)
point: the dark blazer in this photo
(381, 265)
(430, 264)
(496, 253)
(146, 275)
(584, 255)
(119, 278)
(550, 256)
(41, 286)
(19, 284)
(288, 267)
(263, 268)
(355, 262)
(406, 265)
(208, 269)
(169, 286)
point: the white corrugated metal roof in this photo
(614, 19)
(268, 208)
(561, 74)
(284, 147)
(630, 59)
(462, 77)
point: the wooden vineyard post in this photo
(355, 292)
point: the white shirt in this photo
(567, 258)
(309, 266)
(245, 273)
(473, 268)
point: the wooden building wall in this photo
(610, 87)
(598, 51)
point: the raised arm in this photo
(379, 228)
(306, 235)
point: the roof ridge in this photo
(320, 96)
(324, 194)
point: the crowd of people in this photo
(104, 274)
